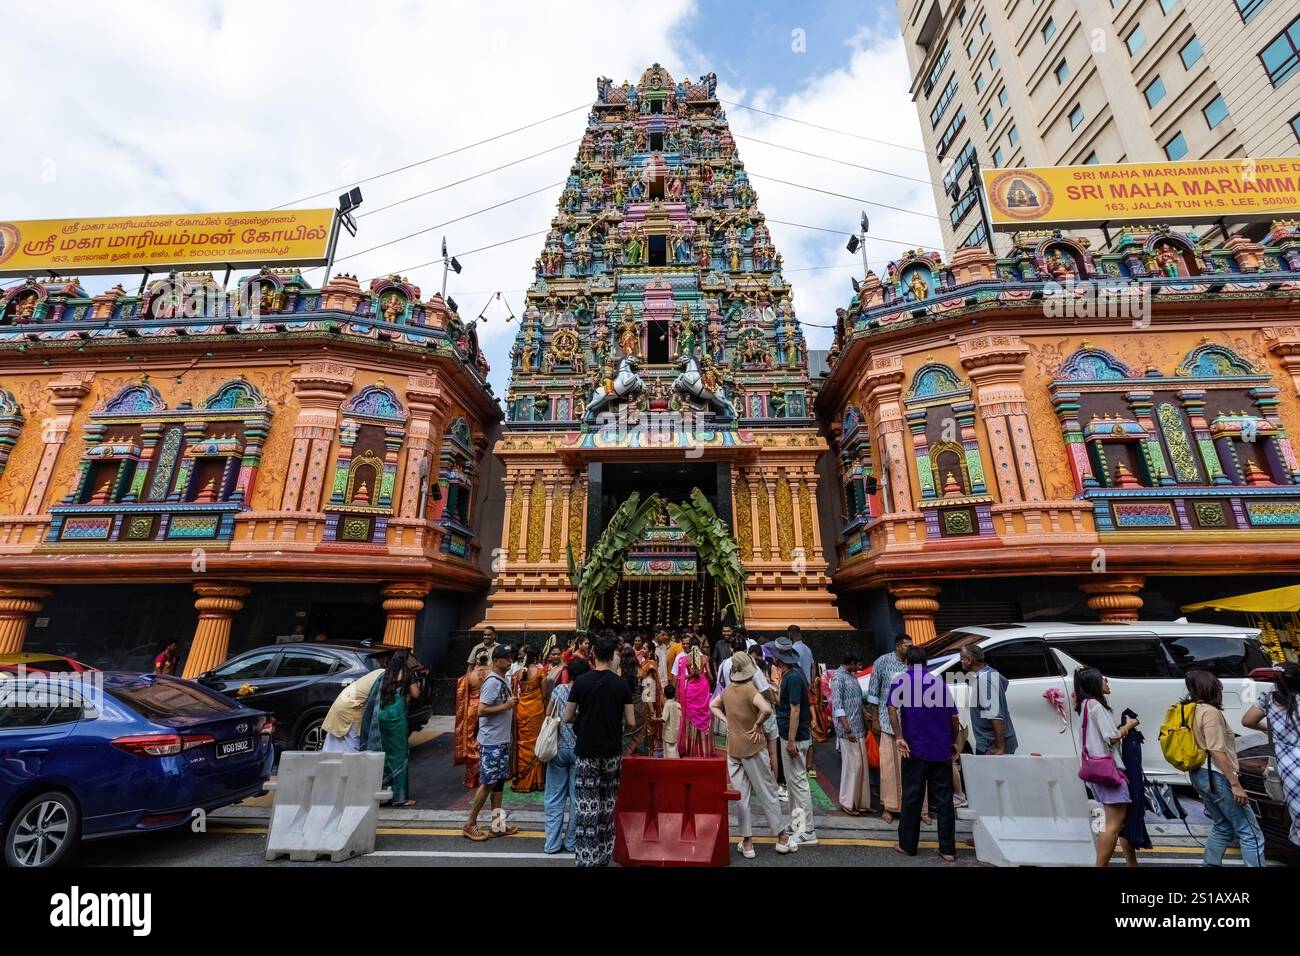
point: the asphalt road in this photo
(226, 845)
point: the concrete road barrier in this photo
(325, 805)
(1028, 811)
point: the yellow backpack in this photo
(1177, 742)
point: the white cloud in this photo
(135, 108)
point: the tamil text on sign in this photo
(287, 237)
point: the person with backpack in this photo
(1102, 766)
(1216, 780)
(1279, 710)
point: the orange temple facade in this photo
(229, 472)
(1061, 434)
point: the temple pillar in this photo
(17, 605)
(917, 603)
(320, 388)
(548, 482)
(1115, 599)
(217, 605)
(885, 387)
(403, 601)
(425, 401)
(68, 390)
(996, 365)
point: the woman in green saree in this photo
(386, 727)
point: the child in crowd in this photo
(672, 721)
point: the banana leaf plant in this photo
(603, 566)
(716, 547)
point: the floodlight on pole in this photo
(348, 201)
(860, 242)
(448, 263)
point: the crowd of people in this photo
(666, 694)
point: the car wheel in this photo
(312, 735)
(42, 832)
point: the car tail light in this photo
(197, 740)
(1266, 675)
(150, 745)
(268, 725)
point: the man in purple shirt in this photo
(924, 717)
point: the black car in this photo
(298, 683)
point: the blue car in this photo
(111, 754)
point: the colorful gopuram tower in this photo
(659, 350)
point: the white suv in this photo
(1144, 662)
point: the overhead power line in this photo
(439, 225)
(828, 129)
(827, 192)
(832, 159)
(430, 159)
(486, 172)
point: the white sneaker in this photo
(747, 854)
(806, 839)
(960, 802)
(788, 847)
(783, 794)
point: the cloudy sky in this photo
(139, 107)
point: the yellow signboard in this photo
(1202, 191)
(286, 237)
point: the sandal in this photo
(887, 816)
(948, 858)
(508, 831)
(403, 805)
(852, 813)
(472, 832)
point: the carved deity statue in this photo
(629, 336)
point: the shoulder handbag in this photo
(548, 738)
(1101, 770)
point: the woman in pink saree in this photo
(693, 691)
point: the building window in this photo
(964, 158)
(950, 133)
(988, 118)
(936, 71)
(1076, 116)
(1013, 135)
(1002, 97)
(963, 206)
(993, 60)
(1281, 58)
(941, 106)
(961, 17)
(1248, 8)
(970, 49)
(984, 24)
(1295, 126)
(1191, 52)
(1167, 5)
(1092, 159)
(1176, 148)
(977, 237)
(1062, 71)
(1135, 40)
(998, 157)
(1155, 91)
(979, 83)
(1216, 111)
(1049, 28)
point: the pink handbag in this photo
(1102, 770)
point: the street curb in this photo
(1161, 834)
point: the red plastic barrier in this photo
(673, 812)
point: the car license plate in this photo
(232, 748)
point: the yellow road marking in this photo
(823, 841)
